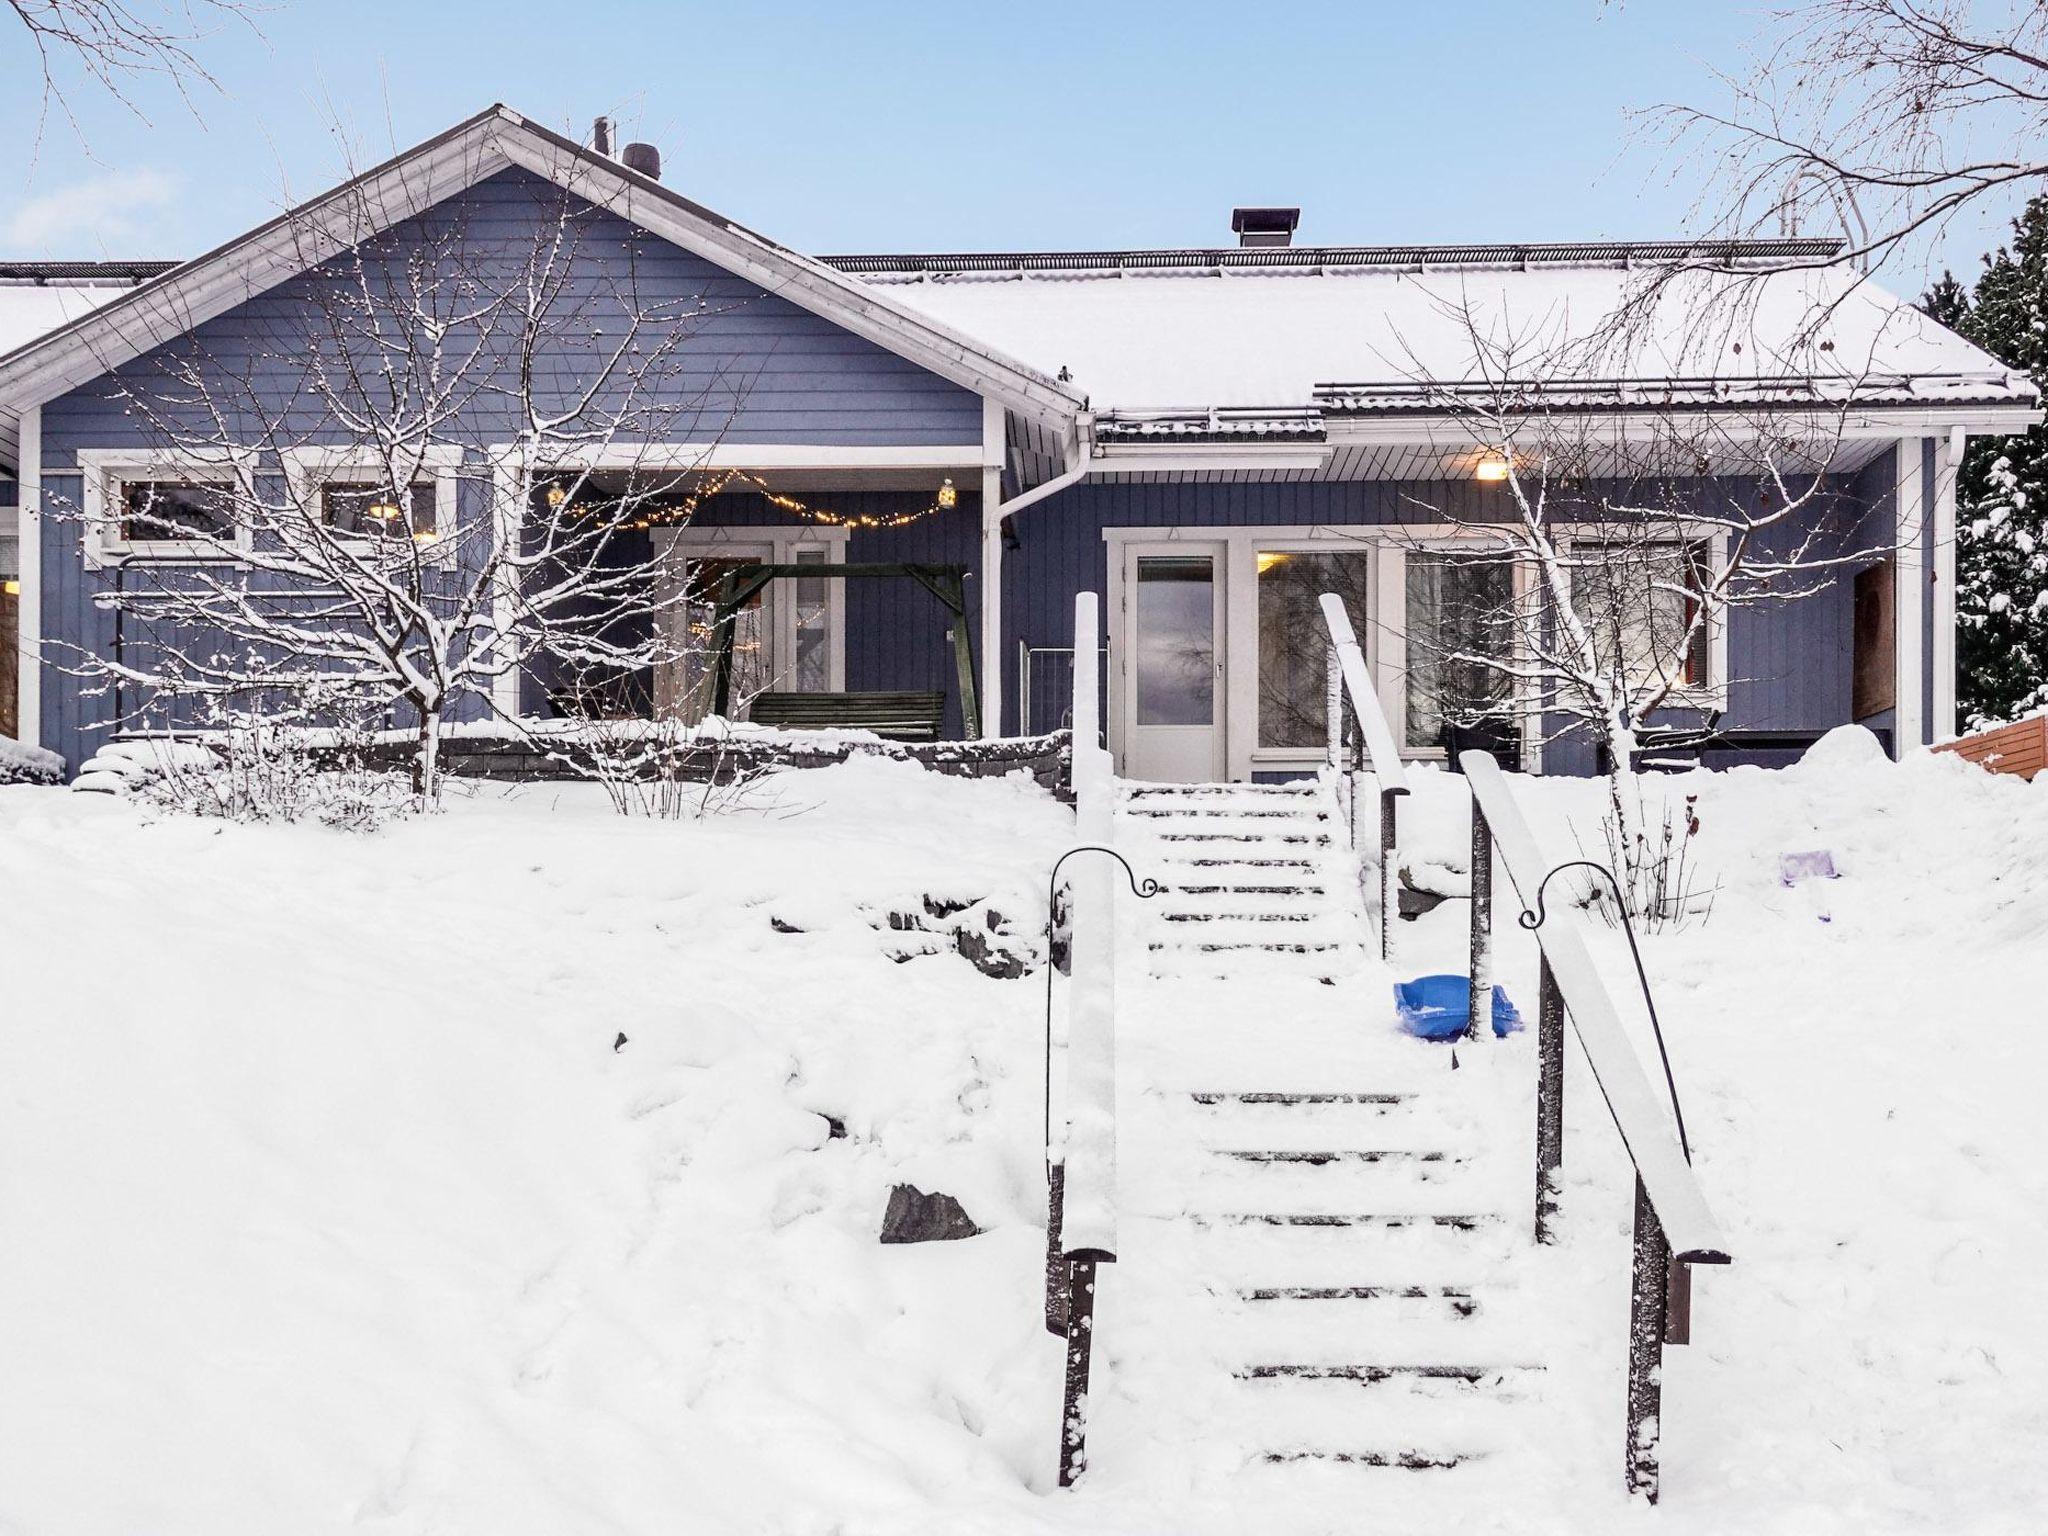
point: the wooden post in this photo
(1549, 1101)
(1080, 1345)
(1390, 898)
(723, 620)
(963, 661)
(1481, 967)
(1649, 1299)
(1055, 1254)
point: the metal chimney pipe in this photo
(601, 136)
(643, 158)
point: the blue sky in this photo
(854, 126)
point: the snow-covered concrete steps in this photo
(1323, 1225)
(1252, 873)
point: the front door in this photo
(1173, 662)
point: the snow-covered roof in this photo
(1230, 337)
(36, 297)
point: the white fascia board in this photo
(190, 295)
(804, 282)
(675, 458)
(1435, 431)
(1147, 458)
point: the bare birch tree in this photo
(1896, 115)
(1616, 526)
(114, 44)
(419, 474)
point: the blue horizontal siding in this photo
(747, 366)
(1789, 663)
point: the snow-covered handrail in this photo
(1348, 676)
(1674, 1229)
(1641, 1113)
(1089, 1217)
(1083, 1165)
(1381, 754)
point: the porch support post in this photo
(1948, 465)
(1909, 576)
(28, 695)
(994, 435)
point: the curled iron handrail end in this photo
(1534, 918)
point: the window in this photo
(148, 503)
(1294, 640)
(371, 511)
(1176, 642)
(1641, 603)
(10, 568)
(1459, 605)
(177, 511)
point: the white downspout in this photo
(993, 510)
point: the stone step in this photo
(1298, 790)
(1387, 1221)
(1375, 1373)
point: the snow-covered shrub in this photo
(255, 769)
(1661, 883)
(22, 764)
(659, 768)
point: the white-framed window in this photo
(1458, 600)
(143, 504)
(790, 638)
(354, 494)
(1641, 601)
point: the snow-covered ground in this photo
(327, 1201)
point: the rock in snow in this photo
(916, 1217)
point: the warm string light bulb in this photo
(945, 499)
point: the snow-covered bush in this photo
(22, 764)
(252, 769)
(1652, 855)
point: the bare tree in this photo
(1617, 526)
(1901, 113)
(114, 43)
(435, 470)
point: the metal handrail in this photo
(1674, 1228)
(1082, 1185)
(1534, 918)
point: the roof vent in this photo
(643, 158)
(1264, 226)
(601, 136)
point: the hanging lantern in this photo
(948, 498)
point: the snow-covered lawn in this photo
(327, 1201)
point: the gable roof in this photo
(184, 296)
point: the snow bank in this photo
(329, 1203)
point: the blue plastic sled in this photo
(1439, 1007)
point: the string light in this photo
(943, 500)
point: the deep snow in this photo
(327, 1201)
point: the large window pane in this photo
(1638, 601)
(1176, 640)
(1459, 608)
(1294, 642)
(813, 627)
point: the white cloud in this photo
(90, 218)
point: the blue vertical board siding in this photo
(1789, 663)
(750, 367)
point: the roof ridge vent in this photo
(1264, 226)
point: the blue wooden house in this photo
(1209, 436)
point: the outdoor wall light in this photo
(1492, 468)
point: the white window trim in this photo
(783, 542)
(1712, 694)
(1385, 640)
(308, 469)
(104, 470)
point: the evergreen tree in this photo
(2002, 492)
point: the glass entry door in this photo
(1173, 662)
